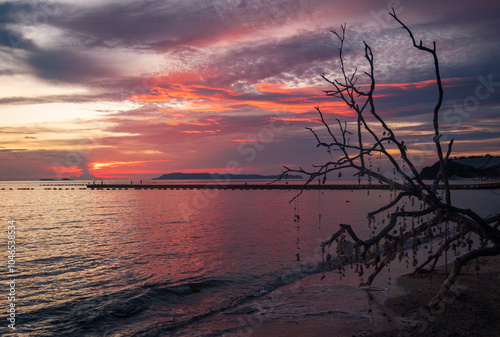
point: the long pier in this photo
(214, 186)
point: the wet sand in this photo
(471, 309)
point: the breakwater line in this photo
(223, 186)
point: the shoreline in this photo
(471, 308)
(226, 185)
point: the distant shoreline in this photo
(228, 185)
(218, 176)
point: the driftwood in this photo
(456, 227)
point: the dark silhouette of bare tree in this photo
(437, 219)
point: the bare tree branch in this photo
(372, 135)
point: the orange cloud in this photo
(189, 123)
(186, 92)
(290, 119)
(191, 131)
(200, 131)
(245, 140)
(211, 121)
(281, 88)
(204, 98)
(101, 165)
(422, 84)
(74, 170)
(274, 97)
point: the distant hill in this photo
(52, 179)
(208, 176)
(467, 167)
(83, 176)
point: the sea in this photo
(177, 262)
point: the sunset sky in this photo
(129, 89)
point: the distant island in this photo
(208, 176)
(52, 179)
(485, 167)
(83, 176)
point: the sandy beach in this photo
(471, 309)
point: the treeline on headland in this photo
(487, 167)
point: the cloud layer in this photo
(126, 89)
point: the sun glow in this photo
(98, 166)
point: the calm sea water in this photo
(171, 263)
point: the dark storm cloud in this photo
(24, 13)
(66, 65)
(295, 55)
(133, 22)
(164, 24)
(11, 11)
(61, 64)
(11, 39)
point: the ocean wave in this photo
(340, 313)
(83, 314)
(293, 274)
(187, 286)
(234, 306)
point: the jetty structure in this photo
(209, 181)
(260, 186)
(203, 185)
